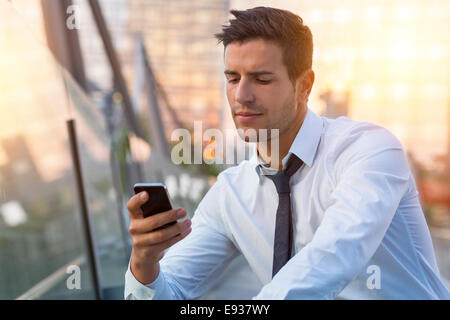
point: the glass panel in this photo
(40, 230)
(102, 195)
(39, 208)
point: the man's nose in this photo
(244, 94)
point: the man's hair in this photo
(280, 26)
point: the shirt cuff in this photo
(134, 290)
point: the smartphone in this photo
(158, 200)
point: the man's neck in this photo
(284, 140)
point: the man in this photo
(339, 215)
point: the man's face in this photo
(259, 91)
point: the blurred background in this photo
(91, 91)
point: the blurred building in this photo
(179, 39)
(336, 103)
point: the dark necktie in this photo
(283, 228)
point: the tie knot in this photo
(281, 178)
(281, 182)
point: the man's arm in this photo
(190, 267)
(366, 198)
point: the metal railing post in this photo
(86, 225)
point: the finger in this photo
(163, 218)
(167, 244)
(149, 224)
(163, 235)
(135, 203)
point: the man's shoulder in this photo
(347, 133)
(366, 145)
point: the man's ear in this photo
(304, 84)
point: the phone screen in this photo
(157, 202)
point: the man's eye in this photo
(263, 81)
(232, 80)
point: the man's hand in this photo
(149, 244)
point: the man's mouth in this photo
(247, 116)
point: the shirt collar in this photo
(308, 137)
(304, 145)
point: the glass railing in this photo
(42, 241)
(39, 220)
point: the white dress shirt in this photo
(359, 230)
